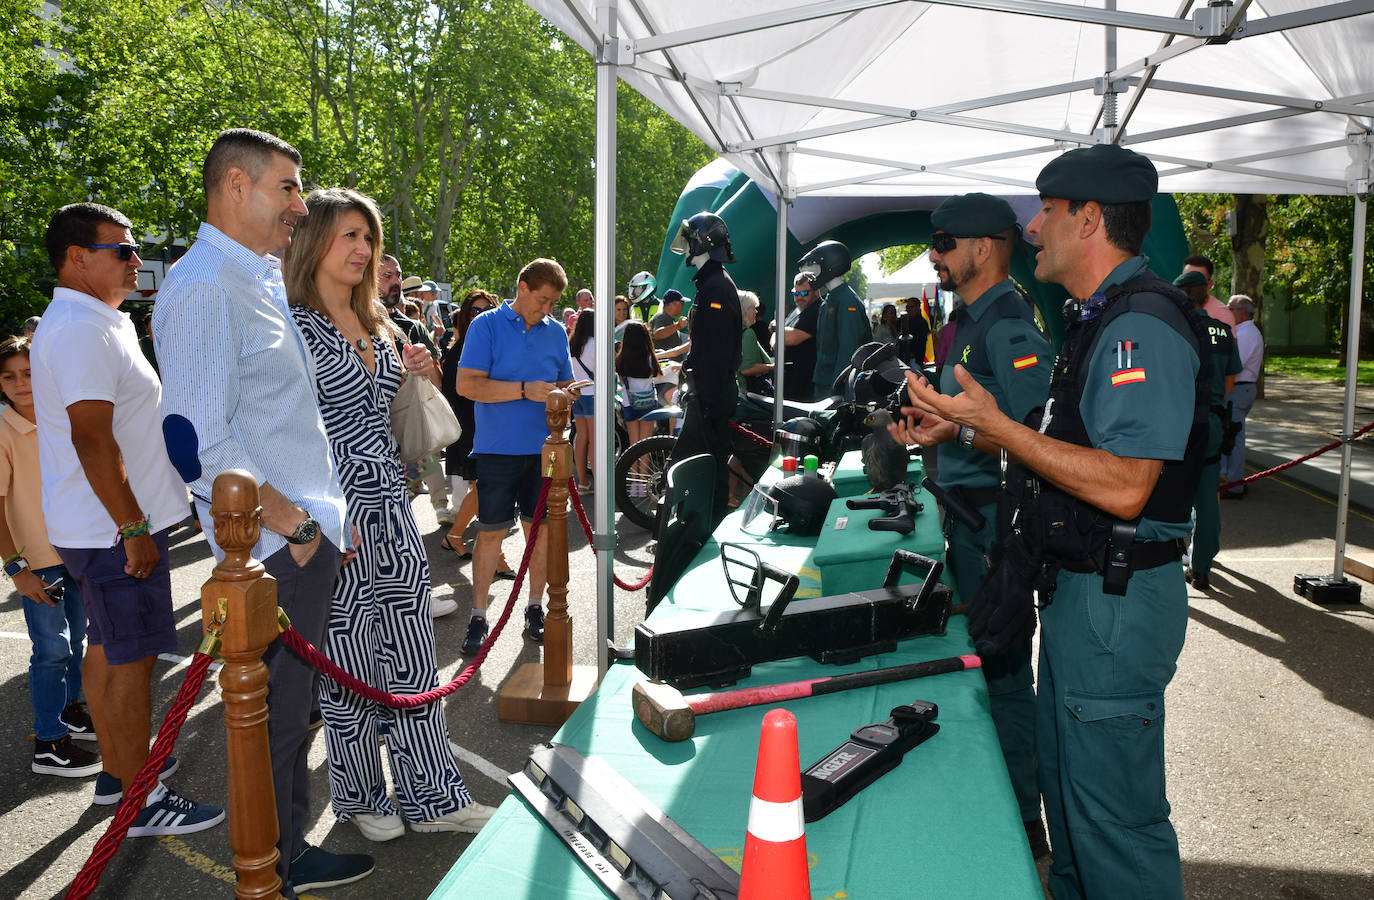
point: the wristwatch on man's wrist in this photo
(15, 566)
(305, 532)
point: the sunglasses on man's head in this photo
(943, 241)
(125, 252)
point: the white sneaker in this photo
(444, 516)
(377, 827)
(468, 820)
(441, 606)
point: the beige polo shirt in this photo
(21, 484)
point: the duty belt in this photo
(1144, 555)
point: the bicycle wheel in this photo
(637, 492)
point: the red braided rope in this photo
(137, 793)
(1293, 462)
(756, 438)
(587, 530)
(306, 651)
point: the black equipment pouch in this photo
(870, 752)
(1116, 570)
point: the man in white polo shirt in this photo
(110, 494)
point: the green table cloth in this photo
(942, 824)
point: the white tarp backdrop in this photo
(876, 102)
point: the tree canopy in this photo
(471, 123)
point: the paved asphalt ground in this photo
(1270, 741)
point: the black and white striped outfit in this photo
(380, 627)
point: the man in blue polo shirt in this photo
(513, 356)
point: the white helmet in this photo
(641, 287)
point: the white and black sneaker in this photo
(64, 759)
(169, 813)
(78, 722)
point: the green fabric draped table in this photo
(942, 824)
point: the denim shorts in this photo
(584, 406)
(130, 618)
(634, 413)
(505, 483)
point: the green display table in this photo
(943, 824)
(850, 557)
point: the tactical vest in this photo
(1073, 532)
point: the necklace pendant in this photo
(362, 344)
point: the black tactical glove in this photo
(1001, 614)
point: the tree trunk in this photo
(1247, 255)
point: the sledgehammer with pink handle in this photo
(671, 715)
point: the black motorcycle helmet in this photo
(704, 233)
(798, 437)
(826, 261)
(803, 501)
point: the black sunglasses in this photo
(125, 252)
(943, 241)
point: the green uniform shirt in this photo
(1139, 396)
(751, 354)
(1225, 361)
(1009, 357)
(841, 328)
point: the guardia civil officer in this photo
(1225, 367)
(841, 323)
(1114, 470)
(997, 342)
(710, 366)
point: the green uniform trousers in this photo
(1011, 690)
(1104, 664)
(1207, 521)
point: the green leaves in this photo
(471, 123)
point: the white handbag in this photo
(422, 420)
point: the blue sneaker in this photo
(316, 868)
(170, 813)
(109, 791)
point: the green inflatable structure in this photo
(752, 220)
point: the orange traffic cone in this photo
(775, 846)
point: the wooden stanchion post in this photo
(244, 597)
(547, 694)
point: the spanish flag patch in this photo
(1025, 362)
(1128, 376)
(715, 306)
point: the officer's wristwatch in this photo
(966, 436)
(15, 566)
(305, 532)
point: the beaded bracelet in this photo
(136, 528)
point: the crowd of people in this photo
(284, 335)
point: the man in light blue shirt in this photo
(239, 392)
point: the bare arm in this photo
(26, 582)
(670, 330)
(1118, 485)
(478, 387)
(93, 438)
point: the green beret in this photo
(973, 215)
(1191, 278)
(1106, 173)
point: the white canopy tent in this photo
(872, 101)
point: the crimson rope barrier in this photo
(756, 438)
(587, 529)
(308, 652)
(89, 876)
(137, 793)
(1293, 462)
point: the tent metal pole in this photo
(603, 532)
(1352, 359)
(780, 257)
